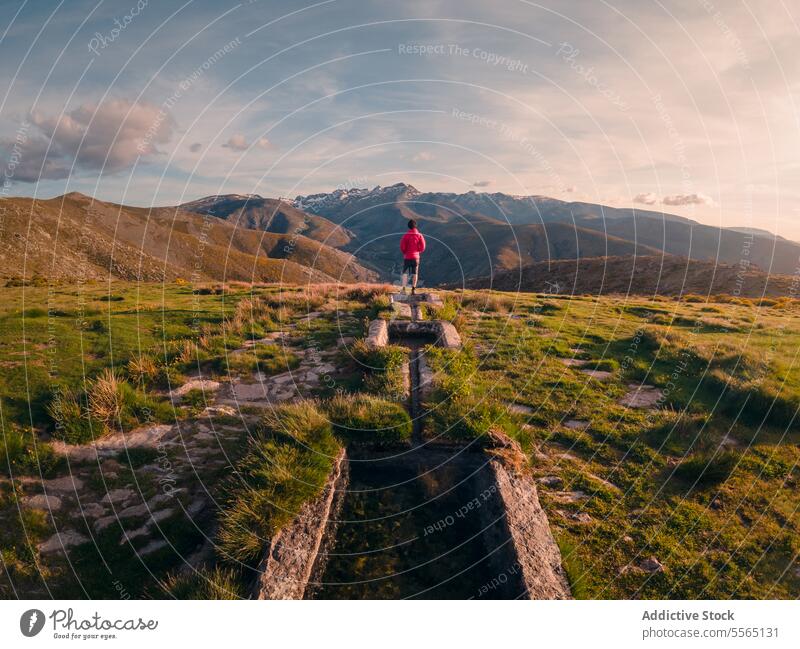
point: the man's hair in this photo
(412, 224)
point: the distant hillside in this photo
(643, 275)
(73, 237)
(271, 215)
(479, 233)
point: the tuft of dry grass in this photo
(105, 402)
(143, 369)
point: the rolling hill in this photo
(75, 237)
(271, 215)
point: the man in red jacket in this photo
(411, 245)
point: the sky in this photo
(685, 106)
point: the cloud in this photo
(571, 189)
(195, 147)
(238, 142)
(27, 161)
(482, 183)
(687, 199)
(422, 156)
(647, 198)
(110, 136)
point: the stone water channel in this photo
(427, 520)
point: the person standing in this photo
(412, 245)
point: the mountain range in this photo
(352, 235)
(478, 234)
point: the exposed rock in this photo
(144, 530)
(161, 515)
(109, 446)
(218, 411)
(65, 539)
(499, 440)
(651, 565)
(42, 501)
(134, 510)
(118, 495)
(599, 375)
(576, 424)
(153, 546)
(551, 481)
(576, 517)
(69, 483)
(573, 362)
(206, 385)
(641, 396)
(569, 496)
(93, 510)
(110, 466)
(519, 408)
(102, 523)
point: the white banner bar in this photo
(406, 625)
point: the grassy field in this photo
(705, 481)
(694, 495)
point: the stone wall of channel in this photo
(538, 556)
(286, 570)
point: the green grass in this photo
(723, 520)
(368, 419)
(713, 517)
(706, 470)
(287, 465)
(383, 369)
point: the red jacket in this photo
(412, 244)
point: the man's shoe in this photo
(413, 290)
